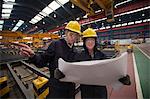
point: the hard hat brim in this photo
(90, 36)
(73, 30)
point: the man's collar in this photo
(70, 45)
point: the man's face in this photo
(71, 37)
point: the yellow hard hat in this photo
(74, 26)
(89, 33)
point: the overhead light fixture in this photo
(85, 16)
(5, 15)
(1, 36)
(54, 5)
(47, 10)
(118, 25)
(133, 11)
(15, 28)
(1, 21)
(43, 22)
(98, 11)
(63, 1)
(78, 18)
(107, 27)
(102, 28)
(9, 0)
(72, 6)
(124, 24)
(36, 27)
(6, 10)
(145, 20)
(113, 26)
(54, 15)
(8, 6)
(143, 14)
(1, 26)
(122, 3)
(138, 21)
(20, 22)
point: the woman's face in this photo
(90, 43)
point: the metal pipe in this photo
(22, 88)
(35, 70)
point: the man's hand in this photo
(58, 74)
(24, 49)
(125, 80)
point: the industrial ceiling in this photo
(30, 16)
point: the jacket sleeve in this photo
(41, 60)
(104, 56)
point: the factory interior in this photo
(120, 26)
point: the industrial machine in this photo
(106, 5)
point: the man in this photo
(57, 49)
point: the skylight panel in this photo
(63, 1)
(38, 17)
(20, 22)
(54, 5)
(34, 20)
(31, 22)
(9, 0)
(1, 26)
(6, 10)
(1, 21)
(47, 10)
(43, 14)
(15, 28)
(8, 6)
(5, 15)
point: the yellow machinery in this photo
(117, 46)
(130, 48)
(9, 36)
(37, 43)
(107, 5)
(4, 89)
(41, 87)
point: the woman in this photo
(91, 53)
